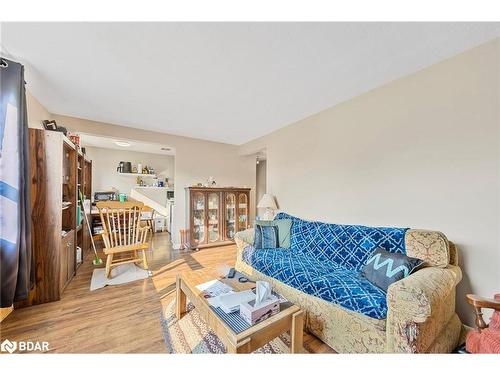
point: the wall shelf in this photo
(137, 174)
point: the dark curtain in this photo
(16, 276)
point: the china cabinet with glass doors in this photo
(216, 214)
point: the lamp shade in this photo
(267, 201)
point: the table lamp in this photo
(268, 202)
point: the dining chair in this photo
(125, 241)
(147, 215)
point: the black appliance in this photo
(104, 196)
(124, 167)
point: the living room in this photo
(262, 187)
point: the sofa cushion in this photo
(284, 229)
(349, 246)
(323, 279)
(350, 290)
(383, 268)
(343, 330)
(266, 237)
(283, 265)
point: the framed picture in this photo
(49, 125)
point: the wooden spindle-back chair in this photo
(123, 236)
(485, 338)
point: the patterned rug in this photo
(192, 335)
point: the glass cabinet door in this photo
(230, 207)
(198, 234)
(213, 217)
(242, 211)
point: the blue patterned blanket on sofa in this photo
(325, 260)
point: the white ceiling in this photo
(228, 82)
(105, 142)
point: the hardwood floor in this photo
(117, 319)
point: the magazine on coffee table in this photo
(213, 289)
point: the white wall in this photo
(420, 152)
(36, 112)
(105, 161)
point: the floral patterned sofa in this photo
(321, 273)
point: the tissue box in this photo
(253, 315)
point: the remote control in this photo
(231, 273)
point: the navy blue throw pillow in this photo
(384, 268)
(266, 237)
(257, 241)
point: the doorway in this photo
(260, 181)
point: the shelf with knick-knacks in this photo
(138, 174)
(216, 214)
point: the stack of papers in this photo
(214, 288)
(222, 295)
(230, 303)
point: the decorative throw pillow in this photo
(384, 268)
(266, 237)
(257, 241)
(284, 229)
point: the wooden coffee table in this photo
(288, 319)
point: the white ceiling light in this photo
(89, 140)
(122, 143)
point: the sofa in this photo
(321, 272)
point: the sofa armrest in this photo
(243, 239)
(417, 294)
(419, 307)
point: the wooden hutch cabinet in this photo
(216, 214)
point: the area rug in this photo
(191, 335)
(122, 274)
